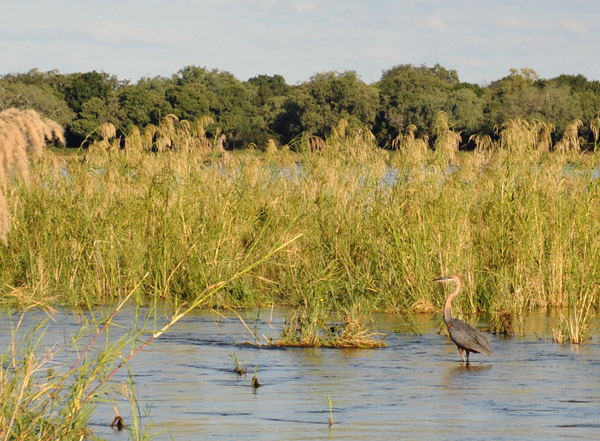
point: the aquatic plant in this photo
(374, 227)
(575, 326)
(58, 405)
(21, 131)
(482, 142)
(311, 326)
(255, 384)
(238, 368)
(447, 140)
(570, 140)
(41, 401)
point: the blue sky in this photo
(481, 39)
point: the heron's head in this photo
(451, 278)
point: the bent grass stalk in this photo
(209, 291)
(75, 411)
(24, 404)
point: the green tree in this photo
(522, 94)
(269, 94)
(190, 100)
(40, 98)
(465, 111)
(136, 104)
(268, 87)
(80, 87)
(156, 88)
(319, 104)
(94, 112)
(583, 102)
(198, 91)
(411, 95)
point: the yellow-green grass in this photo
(519, 224)
(337, 231)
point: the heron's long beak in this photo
(442, 279)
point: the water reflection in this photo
(415, 389)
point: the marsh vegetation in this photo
(334, 228)
(372, 226)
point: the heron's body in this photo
(465, 337)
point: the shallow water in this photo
(415, 389)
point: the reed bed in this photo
(336, 228)
(519, 223)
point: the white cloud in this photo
(267, 4)
(299, 37)
(567, 25)
(305, 6)
(572, 26)
(514, 23)
(111, 32)
(435, 23)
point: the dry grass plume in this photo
(21, 131)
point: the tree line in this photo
(266, 107)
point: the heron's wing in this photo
(483, 343)
(467, 337)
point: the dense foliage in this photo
(266, 107)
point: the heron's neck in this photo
(448, 307)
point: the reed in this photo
(239, 369)
(338, 230)
(447, 140)
(21, 132)
(374, 227)
(45, 399)
(570, 140)
(58, 405)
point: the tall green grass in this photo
(376, 227)
(337, 231)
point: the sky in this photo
(480, 39)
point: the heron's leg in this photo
(468, 352)
(462, 354)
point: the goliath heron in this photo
(465, 337)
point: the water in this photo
(414, 389)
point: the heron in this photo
(465, 337)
